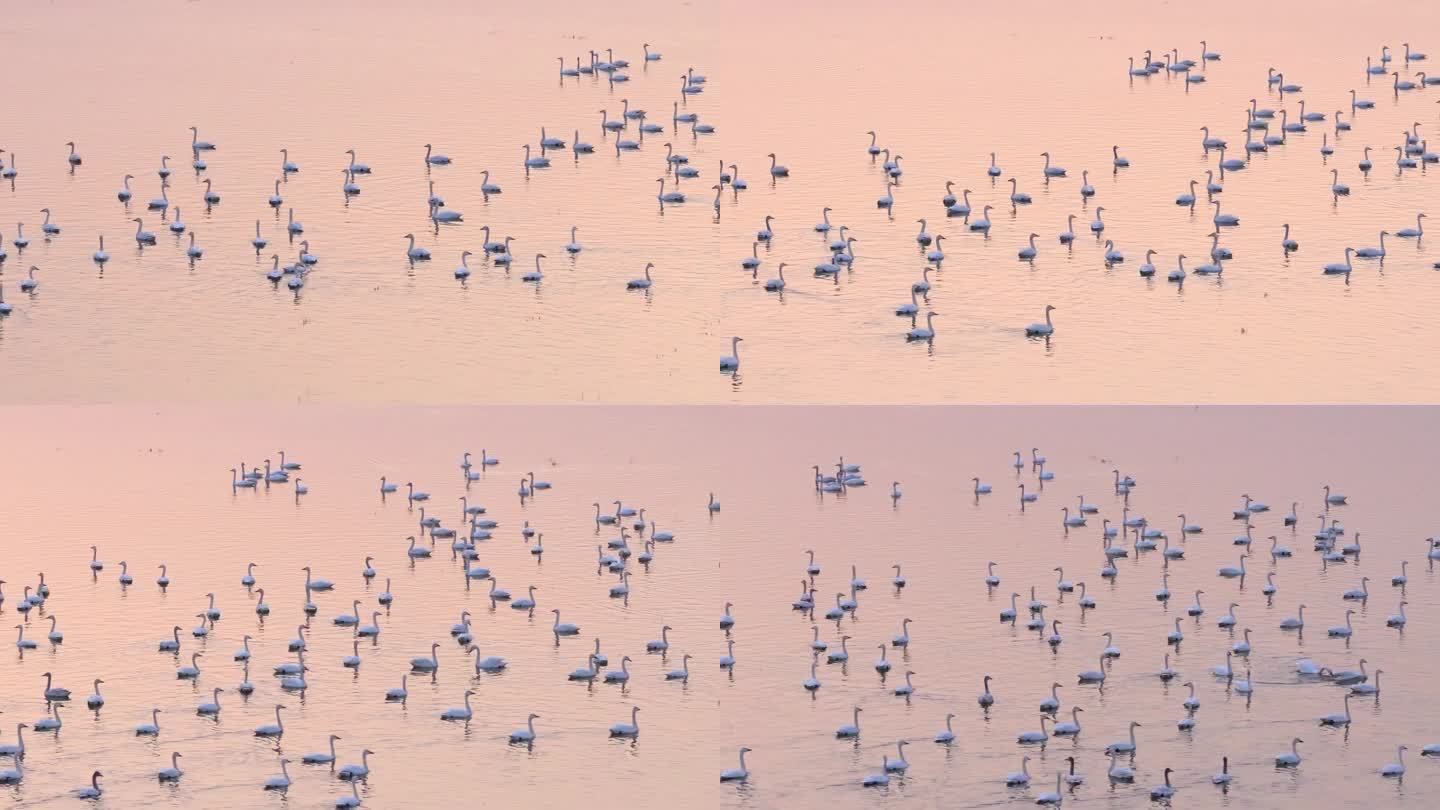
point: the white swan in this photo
(1124, 746)
(1291, 758)
(1094, 675)
(1118, 772)
(1338, 719)
(1042, 329)
(354, 772)
(630, 729)
(435, 159)
(923, 332)
(1294, 622)
(1021, 777)
(462, 713)
(1344, 631)
(281, 782)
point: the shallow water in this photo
(148, 485)
(799, 81)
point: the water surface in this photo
(800, 81)
(149, 485)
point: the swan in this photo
(356, 167)
(1345, 677)
(640, 283)
(428, 663)
(172, 773)
(1094, 675)
(197, 144)
(1291, 758)
(1372, 688)
(1112, 254)
(731, 362)
(281, 782)
(1029, 252)
(434, 159)
(888, 200)
(462, 713)
(1022, 777)
(1049, 170)
(1118, 772)
(834, 657)
(193, 671)
(538, 162)
(124, 193)
(1051, 704)
(1294, 622)
(1124, 746)
(983, 223)
(621, 589)
(1338, 719)
(727, 661)
(54, 692)
(1071, 728)
(1111, 651)
(1044, 330)
(563, 628)
(213, 707)
(668, 196)
(1165, 791)
(50, 723)
(1337, 188)
(630, 729)
(142, 236)
(1403, 84)
(1230, 571)
(1343, 632)
(1396, 769)
(353, 800)
(1188, 198)
(926, 332)
(1401, 578)
(880, 779)
(527, 734)
(1117, 159)
(1098, 224)
(355, 773)
(1336, 268)
(1008, 614)
(372, 629)
(1361, 593)
(151, 728)
(1016, 196)
(682, 674)
(1405, 233)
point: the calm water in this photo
(148, 486)
(803, 82)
